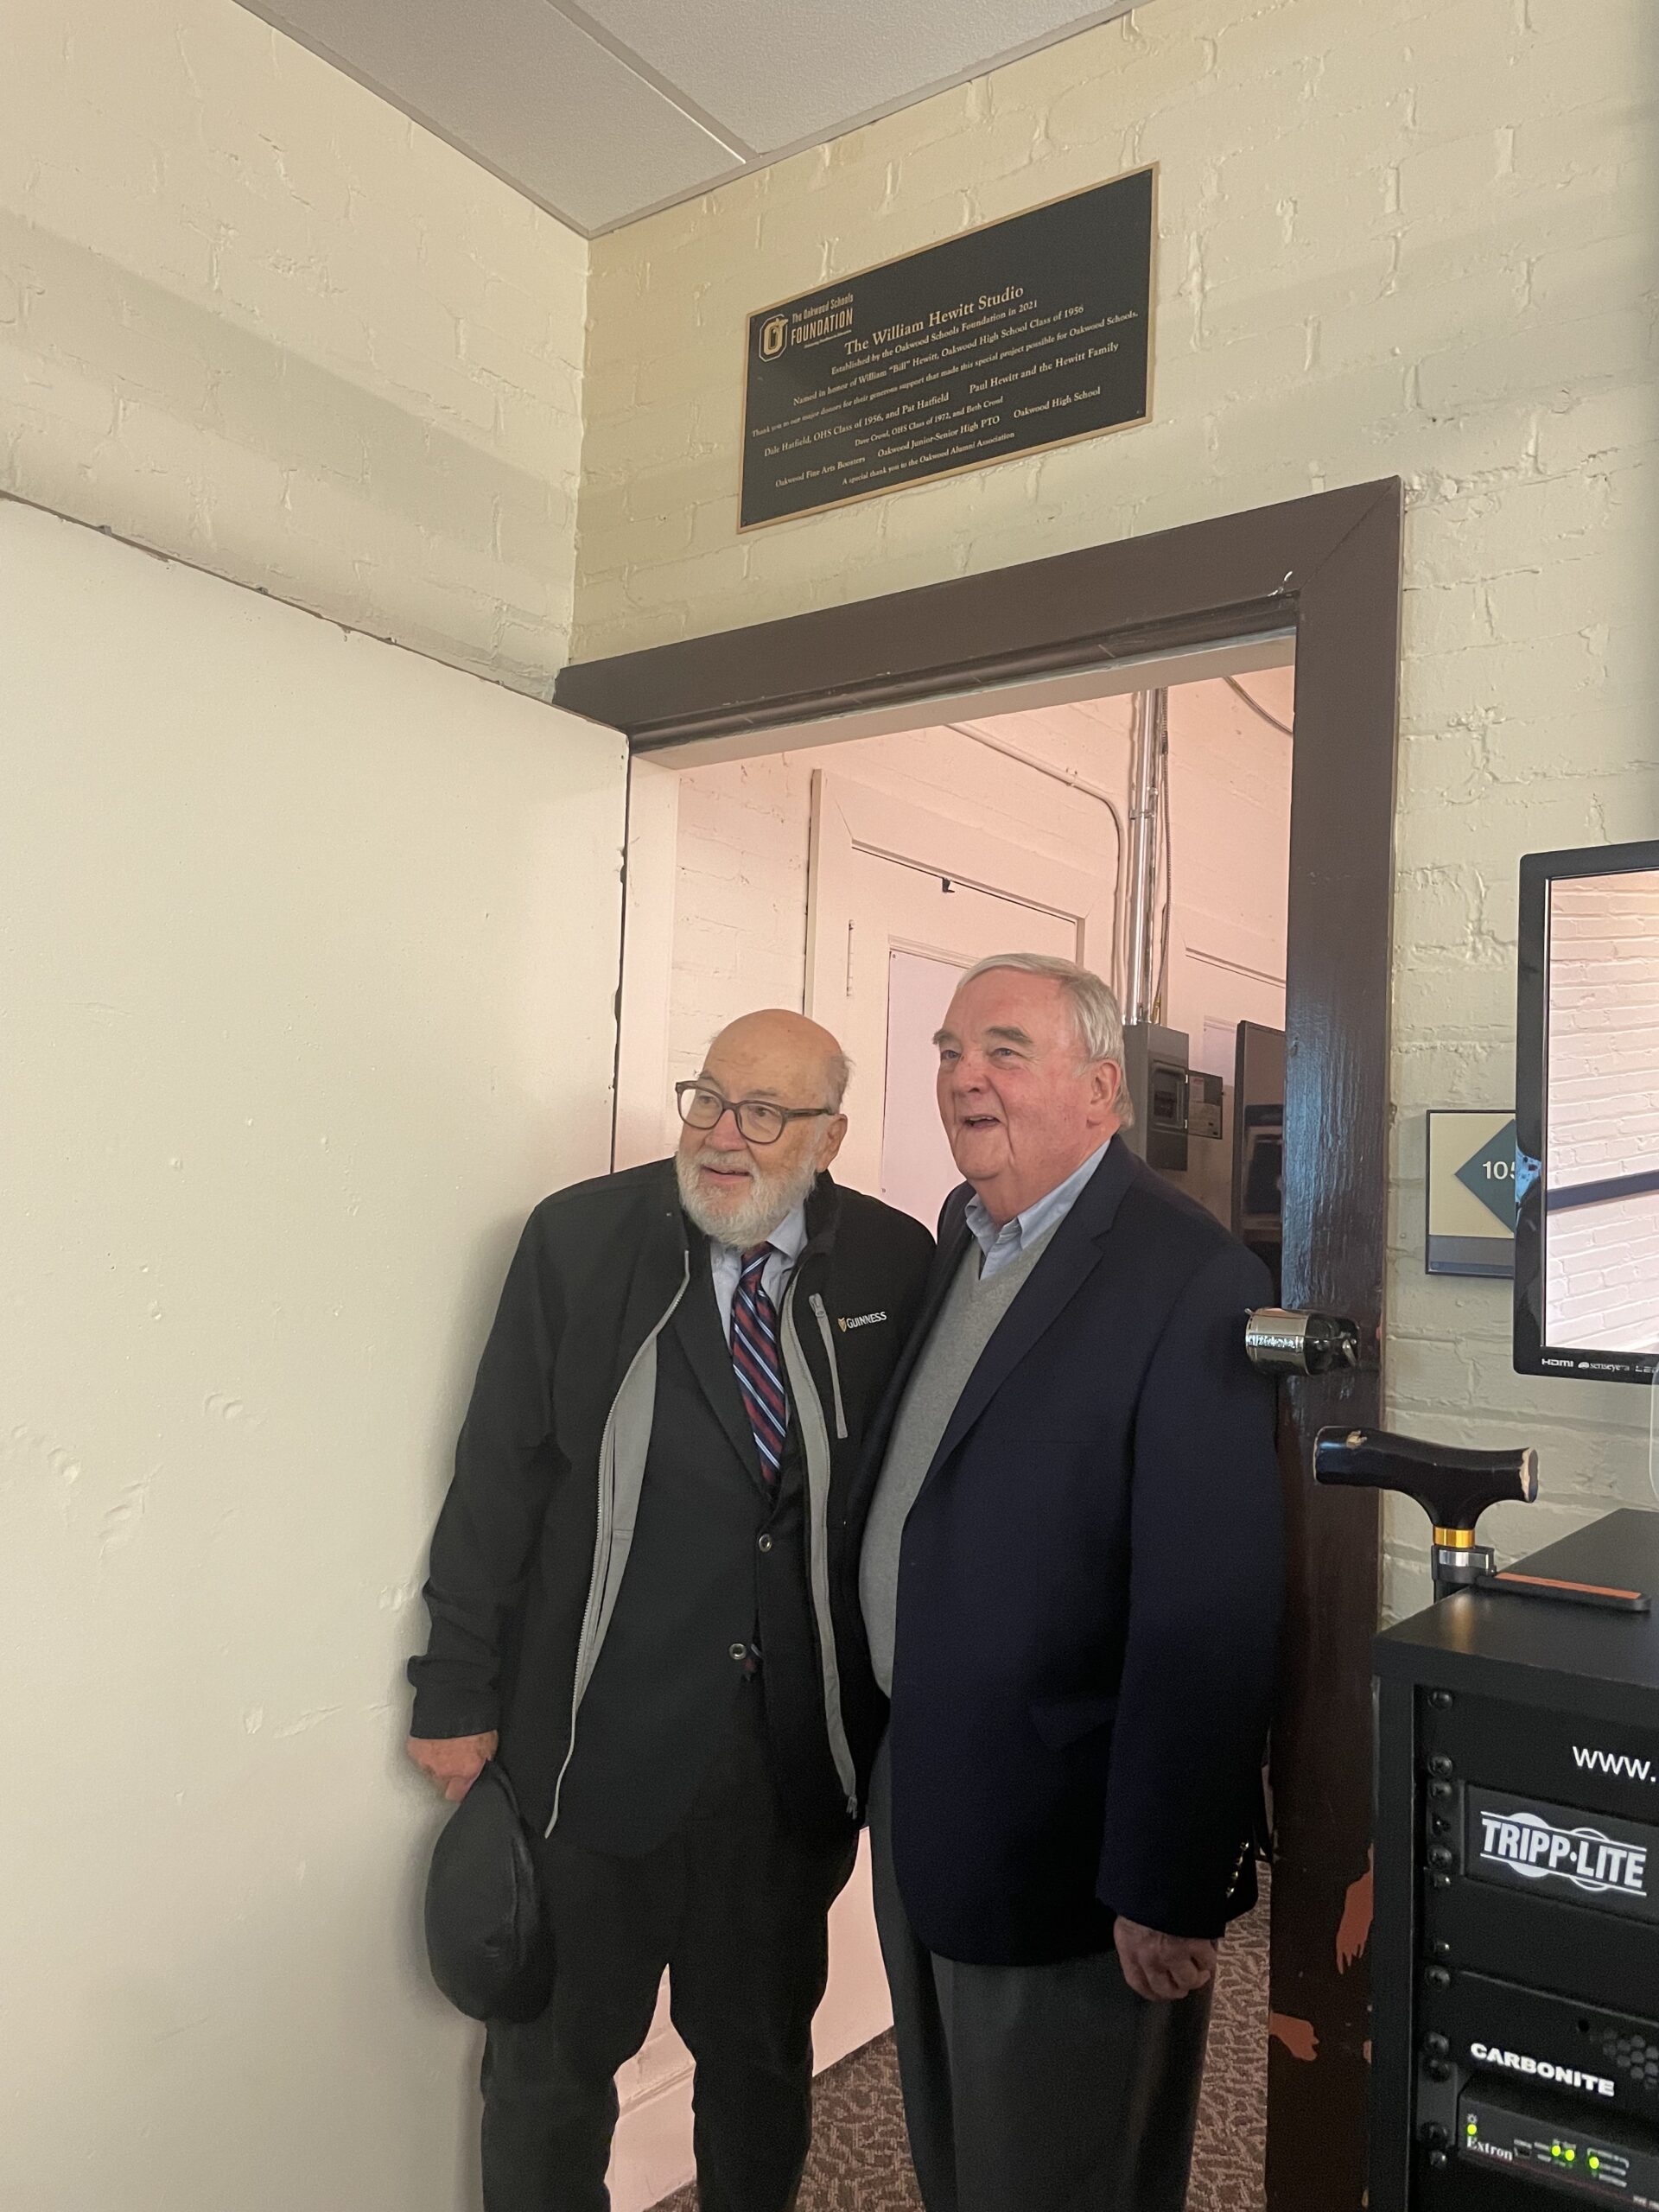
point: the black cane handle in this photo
(1454, 1487)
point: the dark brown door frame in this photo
(1328, 567)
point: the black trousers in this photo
(1048, 2088)
(735, 1905)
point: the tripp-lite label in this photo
(1589, 1858)
(1556, 1851)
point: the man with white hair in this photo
(641, 1598)
(1070, 1584)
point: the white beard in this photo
(749, 1220)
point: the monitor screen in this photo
(1587, 1115)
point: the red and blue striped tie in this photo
(759, 1368)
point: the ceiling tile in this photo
(777, 73)
(523, 90)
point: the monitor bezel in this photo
(1539, 871)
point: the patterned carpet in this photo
(1231, 2151)
(858, 2161)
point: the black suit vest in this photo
(717, 1565)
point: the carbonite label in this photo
(1556, 1851)
(1543, 2069)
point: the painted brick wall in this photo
(251, 315)
(740, 916)
(1416, 238)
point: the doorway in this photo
(1326, 569)
(858, 877)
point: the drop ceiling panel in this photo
(778, 72)
(527, 91)
(604, 110)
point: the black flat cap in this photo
(490, 1949)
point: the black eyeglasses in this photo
(758, 1119)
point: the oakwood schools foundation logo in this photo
(774, 336)
(1526, 1844)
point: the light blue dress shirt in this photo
(726, 1263)
(999, 1246)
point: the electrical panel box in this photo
(1206, 1104)
(1155, 1062)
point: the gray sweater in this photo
(965, 1326)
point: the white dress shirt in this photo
(726, 1263)
(999, 1246)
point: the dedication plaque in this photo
(1026, 332)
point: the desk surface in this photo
(1477, 1631)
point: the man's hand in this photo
(454, 1763)
(1162, 1966)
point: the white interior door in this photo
(310, 947)
(902, 998)
(901, 900)
(917, 1168)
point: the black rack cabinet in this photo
(1516, 1943)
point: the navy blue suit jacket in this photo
(1089, 1591)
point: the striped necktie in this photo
(759, 1368)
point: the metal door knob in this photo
(1279, 1342)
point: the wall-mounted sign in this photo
(1026, 332)
(1471, 1193)
(1205, 1104)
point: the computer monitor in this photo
(1586, 1274)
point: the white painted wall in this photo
(252, 316)
(309, 950)
(1229, 829)
(740, 910)
(1415, 238)
(739, 923)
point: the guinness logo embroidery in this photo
(844, 1322)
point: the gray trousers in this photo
(1051, 2088)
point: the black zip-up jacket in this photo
(531, 1544)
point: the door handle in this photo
(1453, 1486)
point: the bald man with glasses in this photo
(643, 1583)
